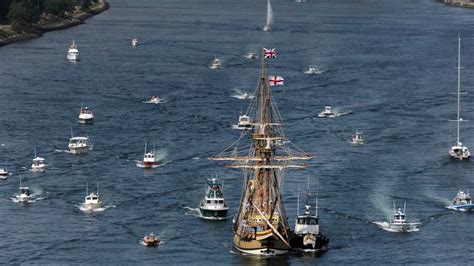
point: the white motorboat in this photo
(462, 202)
(458, 151)
(328, 112)
(245, 123)
(213, 206)
(149, 158)
(3, 173)
(312, 70)
(151, 240)
(86, 115)
(251, 55)
(269, 24)
(38, 164)
(300, 1)
(244, 96)
(154, 100)
(73, 52)
(398, 222)
(91, 200)
(357, 138)
(23, 195)
(216, 63)
(135, 42)
(79, 145)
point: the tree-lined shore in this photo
(459, 3)
(26, 19)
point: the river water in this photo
(390, 64)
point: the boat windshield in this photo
(25, 191)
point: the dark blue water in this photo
(391, 63)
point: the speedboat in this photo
(216, 63)
(213, 206)
(307, 237)
(38, 164)
(462, 202)
(91, 200)
(398, 223)
(327, 112)
(86, 116)
(312, 70)
(73, 52)
(149, 158)
(79, 145)
(23, 195)
(251, 55)
(135, 42)
(151, 240)
(244, 123)
(3, 173)
(357, 138)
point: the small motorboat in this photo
(244, 96)
(216, 63)
(328, 112)
(91, 200)
(79, 145)
(357, 138)
(151, 240)
(73, 52)
(135, 42)
(23, 195)
(3, 173)
(251, 55)
(462, 202)
(154, 100)
(149, 158)
(398, 223)
(86, 116)
(245, 123)
(213, 206)
(312, 70)
(38, 164)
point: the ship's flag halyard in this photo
(269, 53)
(275, 80)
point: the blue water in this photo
(389, 63)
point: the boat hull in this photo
(463, 208)
(266, 247)
(297, 243)
(86, 121)
(79, 150)
(213, 214)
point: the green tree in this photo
(86, 4)
(22, 15)
(58, 7)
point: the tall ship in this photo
(261, 225)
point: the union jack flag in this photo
(269, 53)
(275, 80)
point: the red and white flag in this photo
(269, 53)
(275, 80)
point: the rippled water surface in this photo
(390, 64)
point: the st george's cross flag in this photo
(269, 53)
(275, 80)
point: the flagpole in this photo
(262, 91)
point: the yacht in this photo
(23, 195)
(149, 158)
(251, 55)
(73, 52)
(86, 116)
(328, 112)
(3, 173)
(213, 206)
(357, 138)
(458, 151)
(91, 200)
(38, 164)
(307, 237)
(462, 202)
(216, 63)
(135, 42)
(244, 123)
(399, 223)
(151, 240)
(312, 70)
(79, 145)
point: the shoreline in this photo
(457, 3)
(49, 23)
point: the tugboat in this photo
(399, 223)
(92, 200)
(151, 240)
(23, 195)
(216, 63)
(149, 158)
(79, 145)
(327, 112)
(357, 138)
(307, 237)
(135, 42)
(244, 123)
(86, 116)
(462, 202)
(73, 52)
(213, 206)
(459, 151)
(38, 164)
(3, 173)
(312, 70)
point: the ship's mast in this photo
(458, 120)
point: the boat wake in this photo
(386, 226)
(242, 95)
(101, 209)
